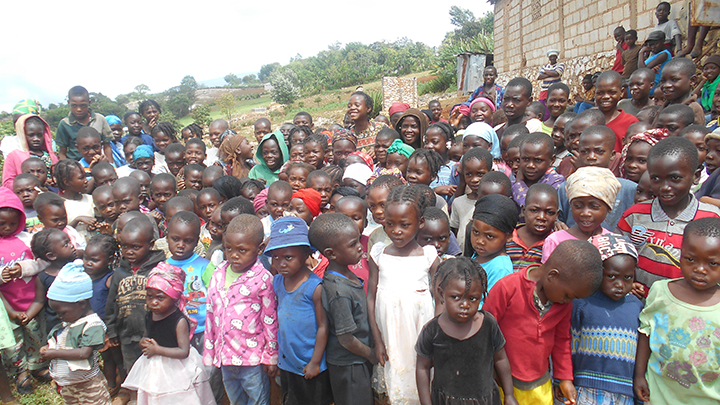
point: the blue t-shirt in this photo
(497, 268)
(297, 325)
(198, 272)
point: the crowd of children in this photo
(520, 253)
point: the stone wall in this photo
(399, 90)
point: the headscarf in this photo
(422, 121)
(365, 157)
(143, 151)
(611, 244)
(713, 135)
(260, 200)
(709, 88)
(651, 136)
(342, 134)
(398, 146)
(398, 108)
(113, 120)
(486, 132)
(71, 284)
(592, 181)
(498, 211)
(311, 198)
(27, 106)
(20, 131)
(171, 280)
(483, 99)
(358, 172)
(227, 149)
(463, 108)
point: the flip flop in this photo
(42, 375)
(694, 54)
(24, 386)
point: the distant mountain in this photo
(220, 81)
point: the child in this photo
(707, 88)
(636, 151)
(494, 220)
(436, 109)
(609, 316)
(400, 300)
(437, 137)
(134, 124)
(271, 154)
(80, 116)
(573, 130)
(215, 131)
(175, 158)
(474, 165)
(207, 201)
(129, 147)
(72, 345)
(641, 82)
(586, 99)
(540, 212)
(436, 232)
(297, 173)
(278, 200)
(192, 175)
(489, 88)
(70, 179)
(37, 168)
(644, 192)
(557, 102)
(321, 182)
(696, 134)
(536, 110)
(35, 140)
(674, 118)
(482, 110)
(314, 147)
(677, 81)
(126, 305)
(516, 99)
(163, 135)
(162, 188)
(349, 345)
(170, 369)
(423, 167)
(513, 152)
(683, 313)
(302, 323)
(673, 35)
(630, 55)
(608, 94)
(103, 174)
(242, 307)
(558, 136)
(303, 119)
(356, 209)
(376, 197)
(52, 214)
(462, 343)
(27, 187)
(653, 55)
(397, 156)
(89, 144)
(127, 193)
(195, 152)
(591, 192)
(305, 204)
(236, 155)
(536, 158)
(655, 227)
(191, 131)
(533, 308)
(261, 128)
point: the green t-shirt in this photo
(230, 276)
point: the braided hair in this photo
(433, 159)
(335, 172)
(194, 129)
(408, 195)
(109, 245)
(445, 128)
(462, 268)
(62, 171)
(166, 128)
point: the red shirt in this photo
(618, 65)
(531, 340)
(620, 125)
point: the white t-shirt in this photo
(462, 212)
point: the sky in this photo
(111, 47)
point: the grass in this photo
(44, 394)
(241, 107)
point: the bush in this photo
(285, 89)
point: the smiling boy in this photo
(80, 116)
(608, 93)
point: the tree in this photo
(188, 84)
(285, 89)
(250, 79)
(266, 70)
(227, 105)
(232, 80)
(464, 19)
(105, 106)
(178, 102)
(143, 89)
(201, 115)
(487, 22)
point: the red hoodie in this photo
(19, 293)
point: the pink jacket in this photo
(241, 325)
(14, 159)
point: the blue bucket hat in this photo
(286, 232)
(72, 284)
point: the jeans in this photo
(216, 380)
(246, 385)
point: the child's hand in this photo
(567, 390)
(157, 216)
(90, 222)
(641, 388)
(113, 342)
(271, 370)
(311, 370)
(11, 273)
(47, 353)
(638, 290)
(445, 190)
(381, 355)
(150, 347)
(560, 226)
(24, 319)
(181, 184)
(103, 227)
(95, 160)
(510, 399)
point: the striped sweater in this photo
(521, 254)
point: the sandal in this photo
(24, 385)
(114, 391)
(42, 375)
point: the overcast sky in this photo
(110, 47)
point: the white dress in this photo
(403, 305)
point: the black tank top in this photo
(164, 330)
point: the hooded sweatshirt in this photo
(14, 159)
(125, 309)
(19, 293)
(261, 170)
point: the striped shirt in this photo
(521, 254)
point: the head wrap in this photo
(398, 108)
(227, 150)
(553, 52)
(143, 151)
(399, 147)
(311, 198)
(497, 211)
(27, 106)
(47, 143)
(610, 244)
(365, 157)
(592, 181)
(383, 171)
(71, 284)
(422, 121)
(113, 120)
(287, 232)
(358, 172)
(486, 132)
(651, 136)
(713, 135)
(171, 280)
(260, 199)
(342, 134)
(463, 108)
(714, 59)
(483, 99)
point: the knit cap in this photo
(72, 284)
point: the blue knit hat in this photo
(286, 232)
(72, 284)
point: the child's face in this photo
(194, 154)
(402, 223)
(314, 155)
(361, 188)
(489, 76)
(175, 162)
(382, 143)
(455, 152)
(79, 106)
(487, 241)
(135, 245)
(106, 206)
(353, 210)
(68, 311)
(158, 302)
(347, 249)
(572, 134)
(61, 247)
(618, 276)
(215, 225)
(277, 202)
(504, 143)
(712, 158)
(529, 114)
(397, 161)
(435, 139)
(558, 133)
(675, 84)
(587, 84)
(186, 134)
(557, 102)
(95, 261)
(671, 178)
(145, 164)
(151, 114)
(699, 262)
(9, 221)
(461, 304)
(435, 233)
(37, 169)
(323, 186)
(27, 191)
(436, 109)
(514, 159)
(410, 130)
(128, 150)
(630, 40)
(117, 131)
(376, 198)
(297, 137)
(288, 261)
(271, 154)
(607, 95)
(134, 125)
(711, 71)
(698, 138)
(126, 200)
(161, 192)
(418, 172)
(643, 192)
(299, 120)
(206, 204)
(261, 129)
(34, 135)
(541, 212)
(481, 112)
(162, 140)
(76, 182)
(144, 180)
(182, 239)
(636, 160)
(640, 86)
(89, 147)
(193, 179)
(357, 108)
(473, 170)
(515, 101)
(588, 213)
(297, 178)
(298, 209)
(662, 12)
(241, 251)
(244, 150)
(535, 161)
(297, 152)
(105, 178)
(472, 141)
(595, 150)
